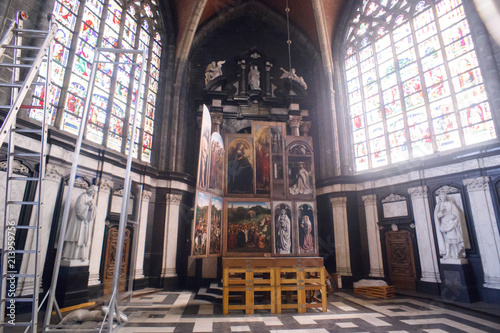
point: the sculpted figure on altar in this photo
(448, 219)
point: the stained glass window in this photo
(414, 86)
(108, 24)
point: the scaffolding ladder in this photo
(23, 61)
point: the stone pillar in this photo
(170, 235)
(105, 188)
(268, 78)
(373, 232)
(216, 121)
(294, 123)
(425, 236)
(341, 232)
(143, 222)
(305, 127)
(486, 226)
(242, 84)
(53, 175)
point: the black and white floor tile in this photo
(183, 312)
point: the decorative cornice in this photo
(418, 192)
(146, 195)
(447, 190)
(105, 186)
(54, 172)
(339, 201)
(174, 199)
(393, 197)
(477, 184)
(370, 199)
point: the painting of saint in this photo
(306, 229)
(262, 160)
(204, 156)
(300, 179)
(200, 226)
(276, 141)
(283, 228)
(248, 227)
(239, 167)
(215, 226)
(216, 162)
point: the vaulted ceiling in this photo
(301, 13)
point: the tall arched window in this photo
(413, 81)
(84, 26)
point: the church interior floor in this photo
(347, 312)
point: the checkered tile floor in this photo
(182, 312)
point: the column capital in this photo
(338, 201)
(370, 199)
(477, 184)
(294, 121)
(105, 185)
(418, 192)
(54, 172)
(216, 117)
(305, 127)
(146, 195)
(174, 199)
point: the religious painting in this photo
(279, 190)
(248, 228)
(283, 231)
(300, 171)
(277, 139)
(306, 228)
(262, 160)
(200, 225)
(204, 155)
(216, 163)
(240, 166)
(215, 226)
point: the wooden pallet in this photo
(381, 292)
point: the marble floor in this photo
(347, 312)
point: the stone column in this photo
(105, 188)
(341, 232)
(216, 121)
(170, 235)
(268, 78)
(294, 123)
(425, 236)
(373, 232)
(242, 84)
(486, 226)
(53, 175)
(305, 127)
(143, 222)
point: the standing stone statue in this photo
(77, 237)
(254, 78)
(448, 220)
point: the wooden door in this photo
(109, 264)
(400, 260)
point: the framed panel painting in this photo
(300, 170)
(204, 155)
(307, 229)
(200, 225)
(248, 228)
(262, 140)
(283, 230)
(240, 165)
(216, 177)
(215, 226)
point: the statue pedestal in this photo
(458, 281)
(72, 286)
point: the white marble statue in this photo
(214, 69)
(254, 78)
(447, 216)
(293, 76)
(77, 237)
(283, 226)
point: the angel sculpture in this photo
(213, 70)
(291, 75)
